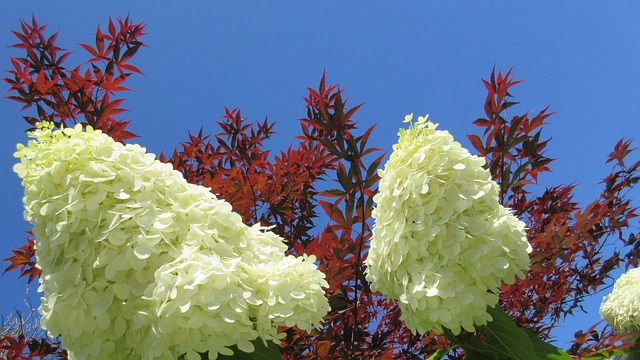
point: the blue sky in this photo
(422, 57)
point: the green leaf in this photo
(509, 341)
(544, 350)
(440, 354)
(506, 338)
(615, 354)
(476, 349)
(473, 355)
(262, 352)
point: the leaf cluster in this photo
(84, 94)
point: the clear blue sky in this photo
(422, 57)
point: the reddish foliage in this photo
(22, 348)
(282, 193)
(235, 166)
(24, 258)
(591, 341)
(80, 95)
(568, 259)
(285, 191)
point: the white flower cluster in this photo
(442, 244)
(137, 263)
(621, 308)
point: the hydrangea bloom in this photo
(442, 244)
(137, 263)
(621, 308)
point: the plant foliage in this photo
(575, 247)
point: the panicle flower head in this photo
(621, 308)
(442, 244)
(138, 263)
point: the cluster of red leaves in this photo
(23, 348)
(283, 192)
(83, 94)
(574, 249)
(288, 191)
(342, 244)
(24, 258)
(275, 192)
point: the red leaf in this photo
(40, 81)
(620, 151)
(100, 42)
(477, 144)
(112, 28)
(24, 259)
(92, 51)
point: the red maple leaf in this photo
(24, 258)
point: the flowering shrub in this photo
(442, 243)
(136, 262)
(281, 191)
(621, 308)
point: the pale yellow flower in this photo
(137, 263)
(442, 244)
(621, 308)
